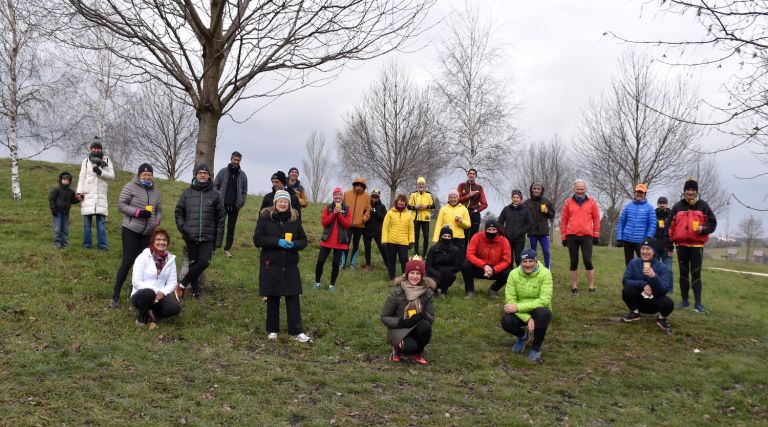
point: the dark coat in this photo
(223, 179)
(269, 200)
(515, 221)
(441, 258)
(540, 225)
(61, 198)
(394, 310)
(661, 234)
(200, 214)
(278, 268)
(374, 225)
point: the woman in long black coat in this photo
(280, 236)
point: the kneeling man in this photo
(646, 284)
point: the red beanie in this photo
(415, 265)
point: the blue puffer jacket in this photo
(638, 220)
(661, 284)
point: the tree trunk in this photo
(13, 143)
(206, 137)
(15, 181)
(392, 195)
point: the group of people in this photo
(498, 253)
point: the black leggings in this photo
(517, 247)
(133, 244)
(631, 250)
(585, 244)
(634, 300)
(293, 314)
(445, 280)
(322, 257)
(418, 338)
(144, 300)
(199, 254)
(689, 259)
(356, 234)
(393, 253)
(515, 326)
(474, 221)
(370, 234)
(424, 227)
(232, 213)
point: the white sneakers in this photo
(272, 336)
(302, 337)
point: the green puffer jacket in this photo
(529, 291)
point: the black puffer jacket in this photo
(661, 235)
(200, 214)
(540, 226)
(61, 198)
(515, 221)
(278, 268)
(442, 258)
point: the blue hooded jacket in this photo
(638, 220)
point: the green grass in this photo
(65, 358)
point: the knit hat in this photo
(446, 230)
(200, 167)
(281, 194)
(641, 187)
(415, 265)
(691, 184)
(236, 154)
(651, 242)
(528, 254)
(145, 167)
(280, 176)
(518, 192)
(338, 190)
(294, 168)
(453, 193)
(662, 199)
(96, 143)
(376, 192)
(492, 223)
(421, 180)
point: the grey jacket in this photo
(135, 196)
(222, 180)
(200, 214)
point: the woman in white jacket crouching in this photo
(154, 279)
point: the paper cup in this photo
(695, 225)
(543, 207)
(289, 236)
(661, 223)
(149, 208)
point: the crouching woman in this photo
(154, 279)
(409, 313)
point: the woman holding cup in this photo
(455, 215)
(336, 220)
(280, 236)
(139, 202)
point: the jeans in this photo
(544, 241)
(667, 260)
(61, 230)
(101, 231)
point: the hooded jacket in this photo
(540, 225)
(360, 204)
(134, 197)
(529, 291)
(398, 227)
(447, 216)
(637, 220)
(682, 218)
(394, 309)
(495, 252)
(222, 181)
(200, 214)
(62, 197)
(515, 221)
(94, 187)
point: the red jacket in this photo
(483, 251)
(580, 220)
(475, 203)
(334, 221)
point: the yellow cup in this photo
(411, 313)
(543, 207)
(289, 236)
(661, 223)
(338, 205)
(646, 265)
(695, 225)
(149, 208)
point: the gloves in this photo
(96, 170)
(103, 164)
(285, 244)
(409, 323)
(595, 240)
(619, 243)
(565, 244)
(143, 213)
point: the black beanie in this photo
(145, 167)
(691, 184)
(651, 242)
(446, 230)
(293, 169)
(492, 223)
(201, 167)
(280, 176)
(236, 154)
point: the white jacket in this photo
(94, 188)
(145, 274)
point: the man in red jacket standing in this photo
(488, 257)
(472, 196)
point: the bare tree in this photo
(165, 130)
(32, 88)
(393, 136)
(317, 167)
(220, 52)
(477, 114)
(626, 128)
(751, 229)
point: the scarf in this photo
(412, 294)
(159, 257)
(399, 208)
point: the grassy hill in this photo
(65, 358)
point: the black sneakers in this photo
(664, 324)
(630, 317)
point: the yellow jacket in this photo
(397, 228)
(448, 216)
(425, 198)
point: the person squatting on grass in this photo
(528, 304)
(139, 202)
(200, 219)
(280, 236)
(409, 313)
(579, 230)
(92, 190)
(444, 261)
(455, 215)
(397, 234)
(232, 183)
(336, 219)
(153, 280)
(542, 211)
(647, 281)
(637, 220)
(421, 203)
(489, 257)
(515, 221)
(60, 200)
(359, 202)
(691, 223)
(374, 225)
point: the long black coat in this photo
(278, 268)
